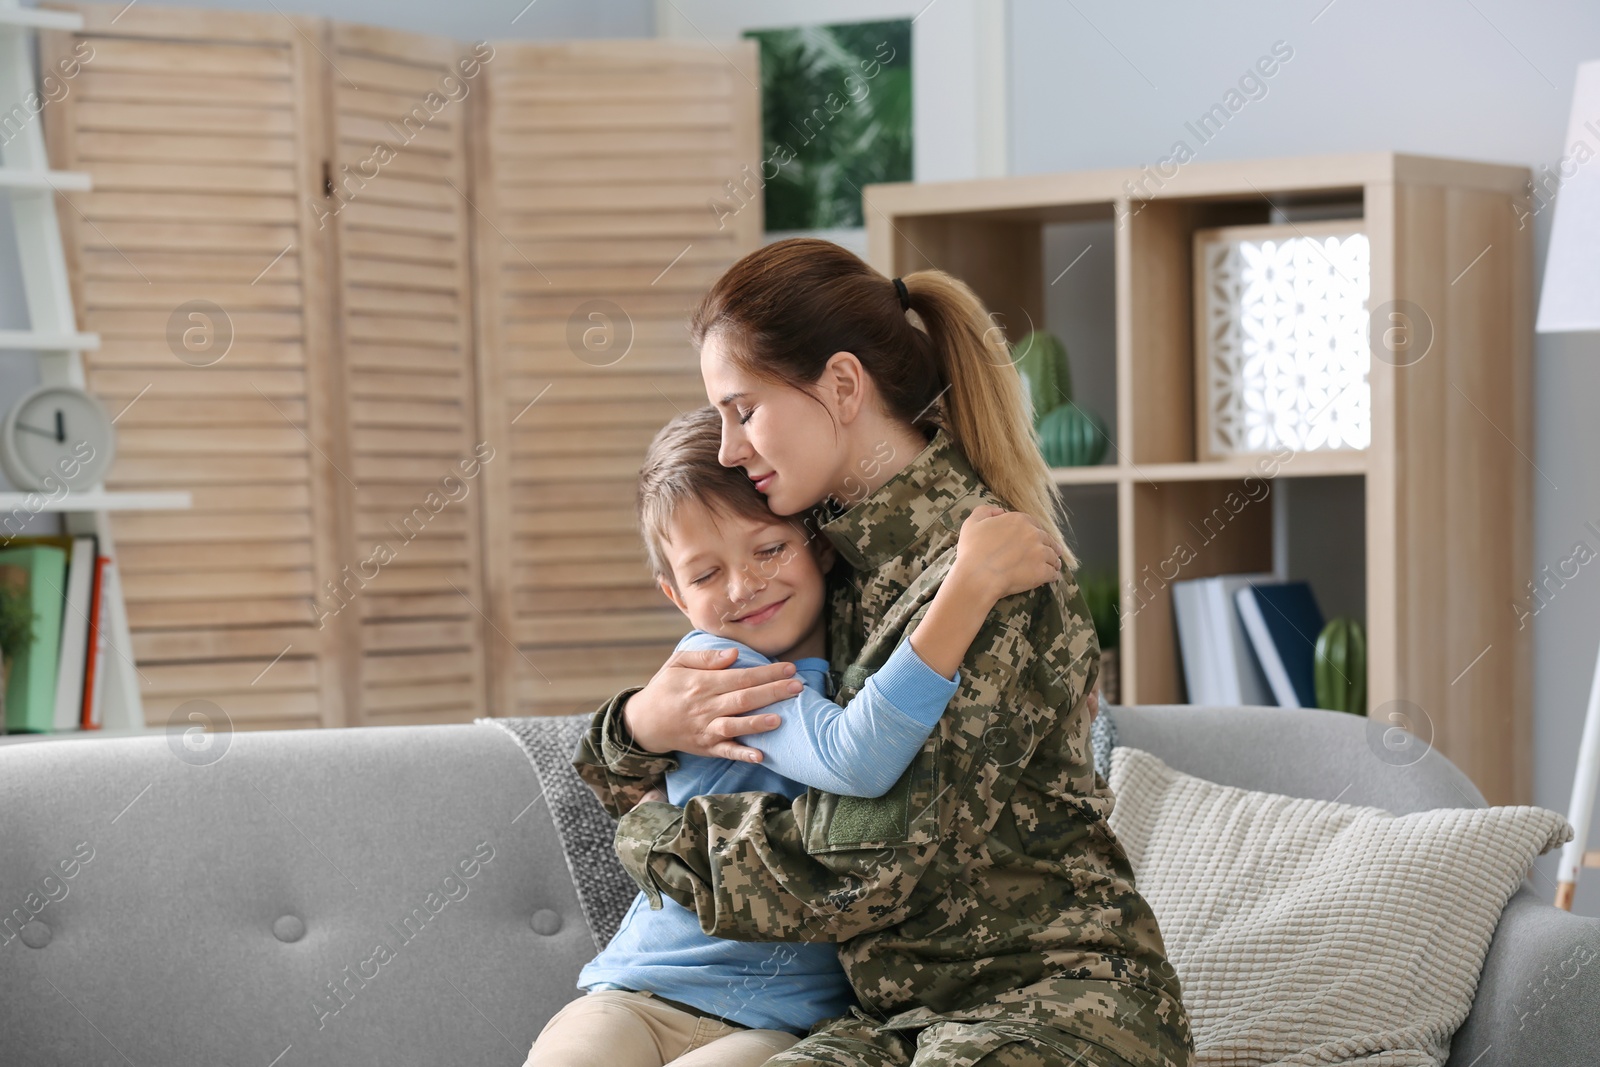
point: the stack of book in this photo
(57, 681)
(1247, 639)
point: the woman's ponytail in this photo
(987, 410)
(789, 305)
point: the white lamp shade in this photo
(1570, 299)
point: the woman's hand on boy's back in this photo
(695, 703)
(1006, 552)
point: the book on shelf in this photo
(1219, 662)
(31, 687)
(94, 676)
(1194, 641)
(73, 654)
(1283, 621)
(57, 681)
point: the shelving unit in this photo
(1425, 534)
(30, 186)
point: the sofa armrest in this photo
(1536, 996)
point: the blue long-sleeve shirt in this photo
(858, 750)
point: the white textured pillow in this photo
(1308, 932)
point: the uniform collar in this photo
(883, 524)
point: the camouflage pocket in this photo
(979, 1044)
(1009, 1043)
(905, 815)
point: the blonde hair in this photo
(788, 306)
(681, 468)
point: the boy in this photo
(662, 990)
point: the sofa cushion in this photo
(1313, 932)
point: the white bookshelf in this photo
(55, 341)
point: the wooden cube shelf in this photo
(1438, 549)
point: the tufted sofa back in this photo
(382, 895)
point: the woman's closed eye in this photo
(744, 416)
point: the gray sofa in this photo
(402, 895)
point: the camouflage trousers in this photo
(852, 1041)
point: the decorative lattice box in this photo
(1282, 347)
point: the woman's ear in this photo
(844, 379)
(671, 594)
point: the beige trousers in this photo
(621, 1028)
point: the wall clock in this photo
(57, 435)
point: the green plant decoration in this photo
(1069, 436)
(16, 630)
(867, 138)
(1339, 668)
(1099, 588)
(16, 623)
(1041, 359)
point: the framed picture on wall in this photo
(919, 94)
(1282, 351)
(836, 116)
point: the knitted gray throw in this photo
(587, 832)
(1102, 739)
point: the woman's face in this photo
(786, 442)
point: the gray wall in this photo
(1104, 84)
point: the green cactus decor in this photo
(1041, 359)
(1069, 436)
(1340, 666)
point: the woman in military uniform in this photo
(984, 911)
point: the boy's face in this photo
(759, 583)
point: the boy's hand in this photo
(1006, 552)
(656, 793)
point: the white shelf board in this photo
(100, 500)
(34, 19)
(75, 181)
(40, 341)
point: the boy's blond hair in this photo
(681, 468)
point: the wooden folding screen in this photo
(413, 495)
(200, 267)
(398, 195)
(606, 214)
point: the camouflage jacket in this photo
(986, 884)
